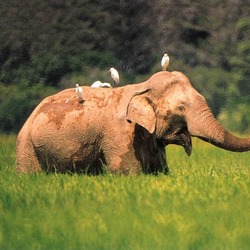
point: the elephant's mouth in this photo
(180, 137)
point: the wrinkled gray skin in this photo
(124, 129)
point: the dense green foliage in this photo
(203, 204)
(53, 44)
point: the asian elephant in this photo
(121, 130)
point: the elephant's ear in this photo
(140, 110)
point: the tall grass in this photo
(203, 204)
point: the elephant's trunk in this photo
(202, 124)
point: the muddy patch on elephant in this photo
(58, 110)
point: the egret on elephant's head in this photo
(165, 61)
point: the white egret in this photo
(99, 84)
(114, 75)
(106, 85)
(96, 84)
(165, 61)
(79, 93)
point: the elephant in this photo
(121, 130)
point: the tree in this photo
(40, 37)
(236, 111)
(131, 34)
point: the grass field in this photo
(203, 204)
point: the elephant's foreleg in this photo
(123, 163)
(150, 152)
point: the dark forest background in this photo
(46, 46)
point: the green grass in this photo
(203, 204)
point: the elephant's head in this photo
(173, 110)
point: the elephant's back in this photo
(63, 110)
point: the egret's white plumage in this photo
(106, 85)
(99, 84)
(96, 84)
(79, 92)
(165, 61)
(114, 75)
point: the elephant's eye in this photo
(181, 108)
